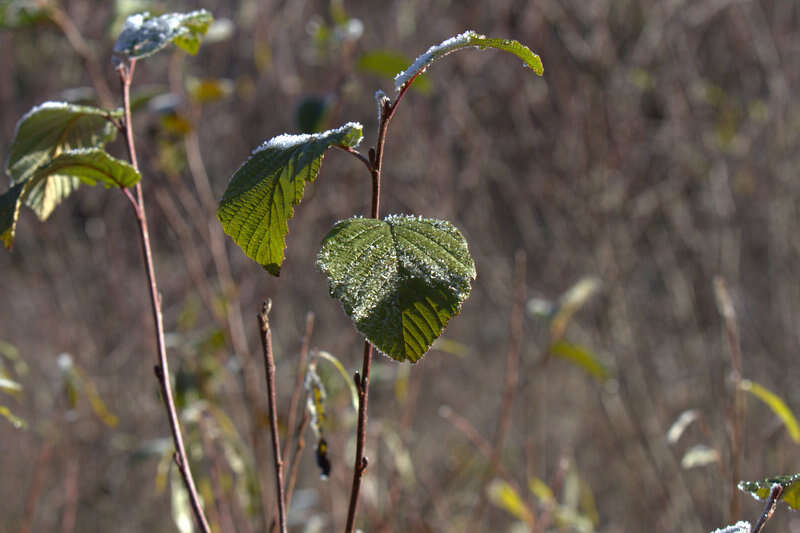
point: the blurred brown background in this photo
(658, 151)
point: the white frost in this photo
(286, 141)
(435, 52)
(142, 34)
(741, 526)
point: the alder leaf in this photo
(399, 279)
(760, 490)
(144, 34)
(44, 132)
(90, 166)
(260, 198)
(467, 39)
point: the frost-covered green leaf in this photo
(464, 40)
(44, 132)
(760, 489)
(90, 166)
(400, 279)
(260, 198)
(143, 34)
(774, 402)
(580, 356)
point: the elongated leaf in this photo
(143, 34)
(506, 497)
(44, 132)
(467, 39)
(760, 489)
(699, 455)
(400, 279)
(775, 403)
(260, 198)
(87, 165)
(569, 303)
(386, 63)
(581, 357)
(681, 423)
(13, 419)
(348, 379)
(9, 385)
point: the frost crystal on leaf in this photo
(143, 34)
(435, 52)
(739, 527)
(286, 140)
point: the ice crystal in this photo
(435, 52)
(286, 140)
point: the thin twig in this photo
(769, 509)
(511, 382)
(298, 381)
(356, 153)
(728, 312)
(269, 364)
(35, 491)
(298, 450)
(82, 48)
(162, 366)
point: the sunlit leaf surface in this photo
(400, 279)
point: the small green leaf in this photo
(506, 497)
(87, 165)
(464, 40)
(777, 405)
(760, 489)
(581, 357)
(44, 132)
(260, 198)
(15, 421)
(400, 279)
(386, 64)
(143, 34)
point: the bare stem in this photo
(362, 380)
(269, 364)
(769, 509)
(162, 367)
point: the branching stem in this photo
(387, 109)
(162, 367)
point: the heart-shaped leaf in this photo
(44, 132)
(467, 39)
(400, 279)
(143, 34)
(760, 490)
(90, 166)
(260, 198)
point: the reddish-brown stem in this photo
(36, 488)
(269, 365)
(362, 380)
(769, 509)
(162, 366)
